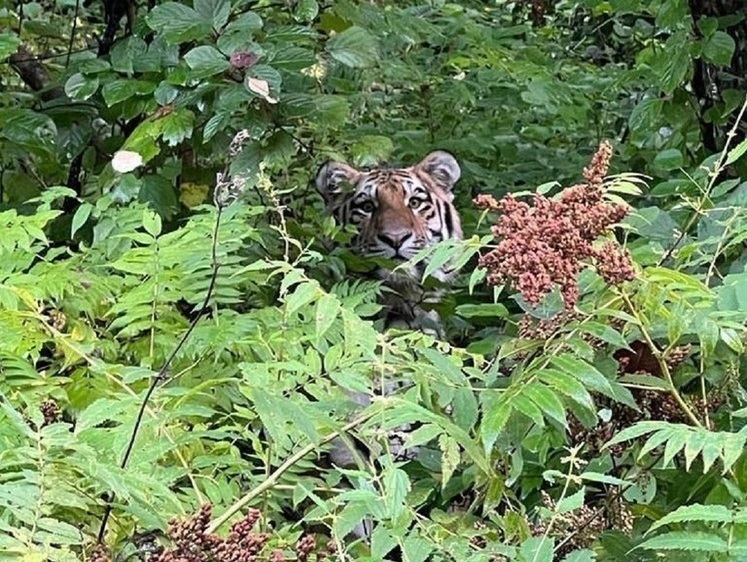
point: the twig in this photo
(706, 194)
(162, 372)
(661, 360)
(269, 482)
(72, 33)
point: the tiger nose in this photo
(395, 239)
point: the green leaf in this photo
(215, 11)
(547, 401)
(736, 153)
(179, 23)
(304, 293)
(206, 60)
(177, 126)
(80, 217)
(9, 43)
(686, 540)
(416, 549)
(121, 90)
(719, 48)
(152, 223)
(696, 512)
(670, 159)
(450, 458)
(537, 549)
(567, 384)
(482, 310)
(327, 309)
(306, 10)
(79, 87)
(495, 415)
(572, 502)
(354, 47)
(645, 115)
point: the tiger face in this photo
(397, 211)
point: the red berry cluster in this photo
(546, 244)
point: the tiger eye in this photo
(414, 203)
(367, 207)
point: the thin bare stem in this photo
(707, 192)
(661, 360)
(271, 480)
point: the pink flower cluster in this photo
(546, 244)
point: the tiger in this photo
(396, 213)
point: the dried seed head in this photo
(546, 244)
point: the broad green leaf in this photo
(354, 47)
(719, 48)
(9, 43)
(306, 10)
(537, 549)
(121, 90)
(669, 159)
(215, 11)
(177, 126)
(416, 548)
(152, 223)
(206, 60)
(179, 23)
(80, 87)
(303, 294)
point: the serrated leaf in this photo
(303, 294)
(354, 47)
(719, 48)
(327, 310)
(206, 61)
(495, 415)
(686, 540)
(571, 503)
(450, 458)
(177, 126)
(567, 384)
(121, 90)
(547, 401)
(178, 23)
(736, 153)
(695, 512)
(215, 11)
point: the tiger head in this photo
(396, 211)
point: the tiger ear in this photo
(442, 167)
(332, 177)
